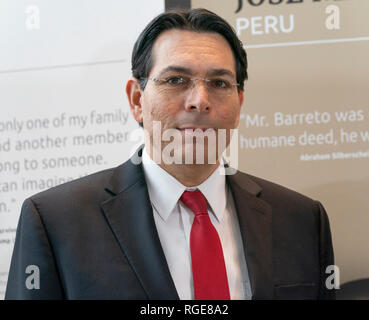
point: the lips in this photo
(194, 128)
(192, 131)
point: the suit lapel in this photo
(129, 214)
(255, 219)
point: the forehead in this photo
(198, 51)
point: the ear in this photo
(134, 94)
(240, 99)
(241, 96)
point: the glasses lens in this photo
(221, 87)
(177, 84)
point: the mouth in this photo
(197, 132)
(193, 128)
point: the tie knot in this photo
(196, 201)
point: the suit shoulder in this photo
(288, 206)
(91, 184)
(274, 191)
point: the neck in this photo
(190, 175)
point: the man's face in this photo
(194, 55)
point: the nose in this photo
(197, 98)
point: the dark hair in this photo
(198, 20)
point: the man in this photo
(157, 229)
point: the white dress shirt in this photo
(174, 220)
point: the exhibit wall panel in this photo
(305, 119)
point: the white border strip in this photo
(301, 43)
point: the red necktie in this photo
(208, 268)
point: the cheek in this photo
(160, 113)
(228, 117)
(159, 110)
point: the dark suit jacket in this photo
(95, 238)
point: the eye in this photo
(220, 84)
(175, 81)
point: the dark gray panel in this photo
(175, 4)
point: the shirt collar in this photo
(214, 190)
(165, 190)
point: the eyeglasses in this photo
(217, 86)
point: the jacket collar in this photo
(129, 214)
(255, 220)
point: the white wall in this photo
(59, 62)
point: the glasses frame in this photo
(193, 79)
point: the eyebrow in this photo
(188, 71)
(221, 72)
(178, 69)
